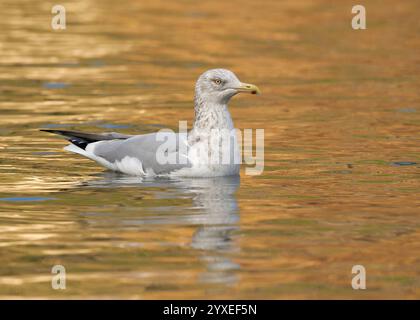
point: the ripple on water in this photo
(55, 85)
(114, 126)
(407, 110)
(26, 199)
(404, 163)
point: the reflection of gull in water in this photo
(216, 198)
(218, 216)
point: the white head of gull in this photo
(213, 90)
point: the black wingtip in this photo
(60, 132)
(73, 137)
(79, 142)
(46, 130)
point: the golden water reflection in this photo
(340, 109)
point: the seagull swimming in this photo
(148, 154)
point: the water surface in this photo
(340, 109)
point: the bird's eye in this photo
(217, 81)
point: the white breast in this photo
(212, 154)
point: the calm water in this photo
(341, 113)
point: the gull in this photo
(189, 154)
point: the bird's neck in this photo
(210, 115)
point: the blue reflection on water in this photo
(27, 199)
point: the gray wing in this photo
(145, 148)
